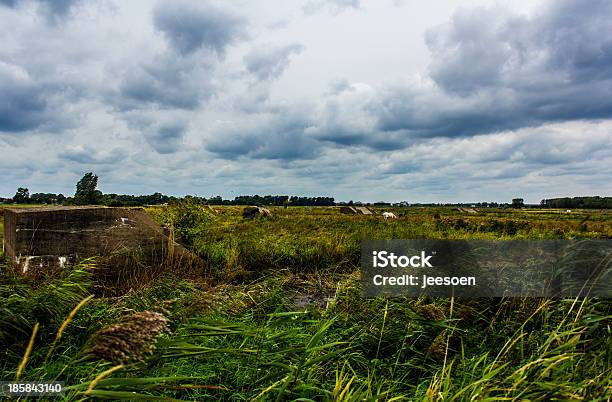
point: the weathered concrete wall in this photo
(46, 238)
(355, 210)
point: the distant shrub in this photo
(501, 226)
(186, 217)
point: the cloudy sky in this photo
(365, 100)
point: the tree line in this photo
(88, 194)
(594, 202)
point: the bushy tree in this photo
(22, 196)
(45, 198)
(86, 193)
(518, 203)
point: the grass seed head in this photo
(130, 340)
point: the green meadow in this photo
(278, 314)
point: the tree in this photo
(86, 193)
(22, 196)
(44, 198)
(518, 203)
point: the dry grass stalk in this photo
(65, 324)
(26, 355)
(102, 376)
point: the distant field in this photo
(278, 314)
(20, 205)
(307, 238)
(308, 235)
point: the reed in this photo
(26, 355)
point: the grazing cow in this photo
(389, 215)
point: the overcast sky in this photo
(365, 100)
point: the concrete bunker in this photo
(352, 210)
(39, 240)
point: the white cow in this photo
(389, 215)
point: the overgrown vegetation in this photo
(284, 318)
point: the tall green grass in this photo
(321, 239)
(249, 335)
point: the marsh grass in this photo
(241, 337)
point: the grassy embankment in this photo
(279, 315)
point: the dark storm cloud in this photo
(347, 118)
(29, 105)
(280, 137)
(22, 106)
(167, 137)
(494, 71)
(581, 38)
(57, 9)
(270, 62)
(181, 77)
(527, 150)
(93, 156)
(381, 141)
(167, 82)
(485, 48)
(53, 10)
(192, 26)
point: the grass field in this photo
(278, 315)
